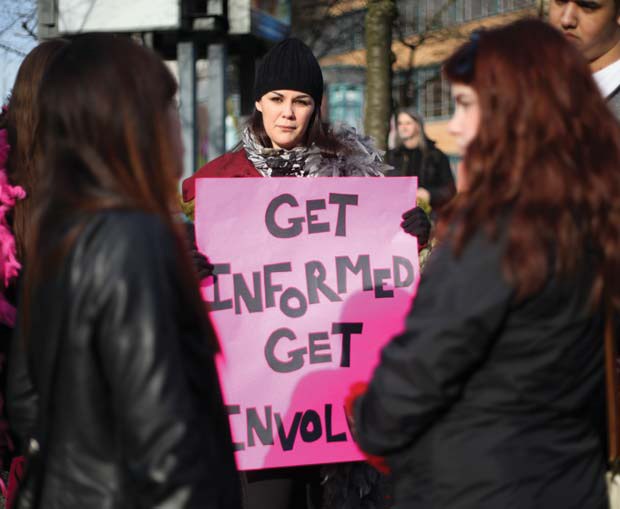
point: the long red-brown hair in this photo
(546, 156)
(107, 142)
(21, 121)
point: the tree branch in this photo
(28, 30)
(10, 49)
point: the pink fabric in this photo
(15, 477)
(9, 266)
(355, 391)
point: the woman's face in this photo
(465, 122)
(407, 127)
(286, 115)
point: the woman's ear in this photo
(258, 106)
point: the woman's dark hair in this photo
(318, 133)
(21, 121)
(547, 153)
(105, 107)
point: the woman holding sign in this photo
(286, 137)
(493, 396)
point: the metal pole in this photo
(186, 58)
(216, 100)
(47, 19)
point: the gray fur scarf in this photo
(362, 158)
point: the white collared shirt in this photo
(608, 78)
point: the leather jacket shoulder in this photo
(135, 390)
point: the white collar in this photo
(608, 78)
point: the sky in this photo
(15, 42)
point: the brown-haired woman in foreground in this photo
(494, 394)
(122, 355)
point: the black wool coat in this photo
(486, 402)
(434, 172)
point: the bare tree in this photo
(328, 26)
(314, 22)
(434, 30)
(343, 26)
(337, 27)
(17, 25)
(378, 104)
(17, 37)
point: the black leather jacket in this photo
(433, 172)
(486, 400)
(132, 406)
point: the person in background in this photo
(128, 409)
(594, 28)
(417, 156)
(286, 137)
(494, 395)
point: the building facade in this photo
(425, 33)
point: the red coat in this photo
(231, 164)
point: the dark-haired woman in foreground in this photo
(121, 354)
(493, 396)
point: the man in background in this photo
(594, 27)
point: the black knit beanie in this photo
(289, 65)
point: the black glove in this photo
(204, 268)
(416, 223)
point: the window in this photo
(435, 14)
(433, 93)
(431, 96)
(480, 8)
(425, 90)
(509, 5)
(476, 9)
(407, 16)
(404, 90)
(340, 34)
(346, 103)
(416, 16)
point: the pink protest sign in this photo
(313, 277)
